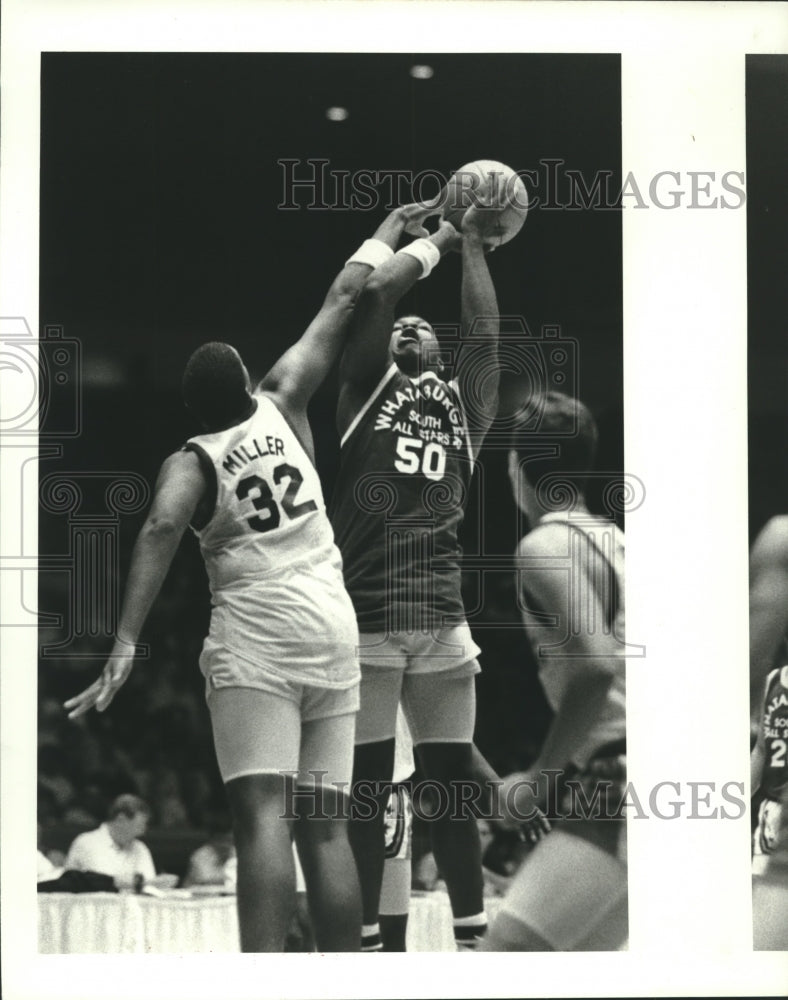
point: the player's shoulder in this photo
(552, 537)
(772, 540)
(778, 677)
(273, 403)
(185, 461)
(545, 539)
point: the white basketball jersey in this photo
(275, 573)
(269, 509)
(604, 544)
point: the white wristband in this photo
(425, 252)
(373, 253)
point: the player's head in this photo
(128, 816)
(216, 386)
(414, 346)
(569, 430)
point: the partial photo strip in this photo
(767, 361)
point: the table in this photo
(125, 924)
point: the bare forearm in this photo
(483, 774)
(367, 349)
(153, 553)
(480, 329)
(479, 301)
(397, 276)
(582, 703)
(352, 278)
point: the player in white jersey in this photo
(769, 708)
(571, 891)
(280, 661)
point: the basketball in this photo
(462, 189)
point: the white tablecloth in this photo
(110, 923)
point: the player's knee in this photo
(373, 761)
(321, 801)
(312, 833)
(445, 761)
(256, 801)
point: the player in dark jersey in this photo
(571, 891)
(769, 698)
(281, 658)
(409, 442)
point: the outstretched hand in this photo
(406, 219)
(451, 239)
(102, 691)
(520, 803)
(416, 214)
(483, 218)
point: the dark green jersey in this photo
(406, 466)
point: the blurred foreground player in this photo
(280, 660)
(571, 891)
(409, 440)
(769, 678)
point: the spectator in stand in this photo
(214, 863)
(115, 848)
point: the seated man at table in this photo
(214, 863)
(114, 848)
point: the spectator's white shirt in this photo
(96, 851)
(45, 870)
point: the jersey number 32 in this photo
(269, 515)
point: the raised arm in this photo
(179, 489)
(298, 373)
(367, 352)
(477, 368)
(768, 604)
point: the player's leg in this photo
(770, 878)
(395, 890)
(257, 735)
(394, 926)
(301, 936)
(373, 765)
(266, 877)
(321, 829)
(539, 914)
(770, 912)
(441, 710)
(610, 934)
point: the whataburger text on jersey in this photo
(392, 414)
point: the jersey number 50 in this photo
(264, 501)
(431, 460)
